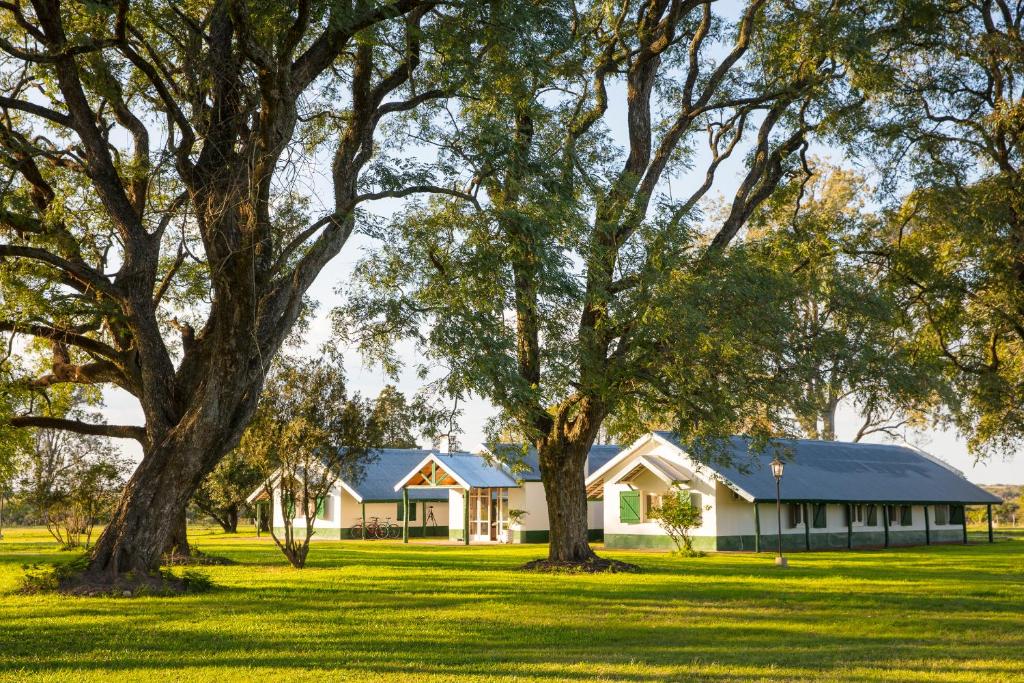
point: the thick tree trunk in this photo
(230, 524)
(563, 471)
(151, 511)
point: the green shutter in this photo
(412, 511)
(289, 505)
(629, 507)
(820, 520)
(319, 507)
(956, 514)
(906, 516)
(872, 515)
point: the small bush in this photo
(46, 578)
(196, 581)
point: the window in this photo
(956, 514)
(629, 507)
(796, 515)
(891, 514)
(855, 515)
(651, 501)
(321, 507)
(820, 516)
(942, 514)
(288, 505)
(401, 511)
(906, 515)
(872, 517)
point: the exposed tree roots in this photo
(195, 558)
(592, 565)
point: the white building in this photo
(353, 503)
(481, 491)
(834, 495)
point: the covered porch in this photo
(479, 490)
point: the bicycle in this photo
(389, 530)
(373, 530)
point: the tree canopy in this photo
(581, 278)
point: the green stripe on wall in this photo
(790, 542)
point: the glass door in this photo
(479, 514)
(499, 514)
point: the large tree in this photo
(949, 117)
(582, 278)
(154, 226)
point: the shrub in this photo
(677, 514)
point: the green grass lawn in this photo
(383, 611)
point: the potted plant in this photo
(515, 517)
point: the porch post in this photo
(927, 527)
(807, 528)
(363, 529)
(885, 523)
(465, 517)
(405, 515)
(757, 528)
(849, 526)
(259, 507)
(965, 524)
(423, 518)
(990, 539)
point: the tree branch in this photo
(79, 427)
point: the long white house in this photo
(834, 495)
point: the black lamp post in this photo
(777, 467)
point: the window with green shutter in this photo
(320, 507)
(872, 515)
(289, 505)
(401, 511)
(906, 516)
(629, 507)
(796, 515)
(820, 518)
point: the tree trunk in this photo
(264, 519)
(177, 542)
(150, 514)
(231, 519)
(563, 468)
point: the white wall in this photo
(455, 510)
(332, 509)
(343, 511)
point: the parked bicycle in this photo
(376, 529)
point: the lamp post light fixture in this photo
(777, 468)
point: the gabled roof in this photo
(380, 475)
(834, 471)
(455, 470)
(662, 468)
(527, 467)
